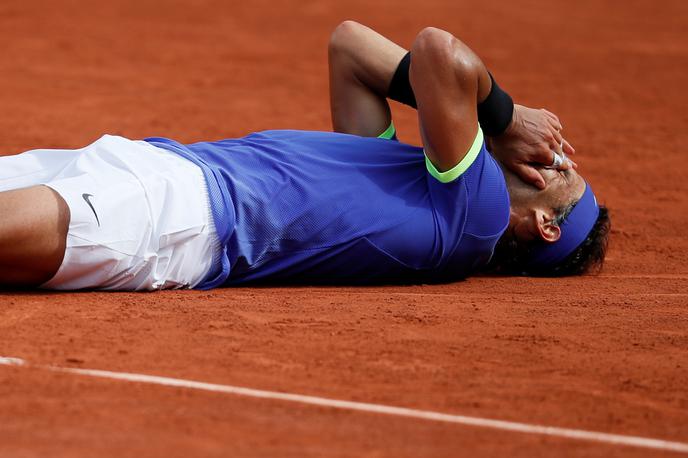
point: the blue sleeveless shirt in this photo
(322, 207)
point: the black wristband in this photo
(496, 111)
(400, 87)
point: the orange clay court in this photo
(602, 357)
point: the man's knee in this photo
(33, 232)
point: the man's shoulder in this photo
(487, 198)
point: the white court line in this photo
(645, 276)
(617, 439)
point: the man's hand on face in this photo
(533, 137)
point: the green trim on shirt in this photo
(456, 171)
(389, 133)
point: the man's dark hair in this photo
(511, 257)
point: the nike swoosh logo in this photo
(87, 198)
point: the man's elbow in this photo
(343, 36)
(440, 48)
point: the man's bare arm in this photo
(362, 63)
(448, 80)
(447, 77)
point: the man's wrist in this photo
(400, 87)
(515, 119)
(496, 112)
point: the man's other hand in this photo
(533, 137)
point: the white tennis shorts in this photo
(140, 215)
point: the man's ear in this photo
(548, 231)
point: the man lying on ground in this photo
(491, 189)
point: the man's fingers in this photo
(550, 114)
(542, 154)
(566, 164)
(564, 146)
(530, 175)
(554, 120)
(568, 149)
(555, 159)
(558, 140)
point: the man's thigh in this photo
(33, 231)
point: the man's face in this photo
(563, 187)
(531, 206)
